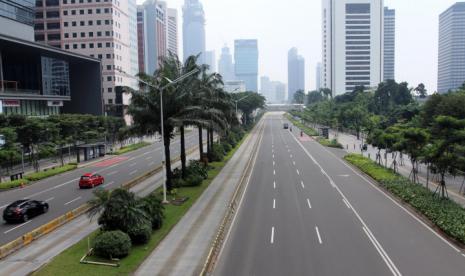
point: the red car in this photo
(90, 180)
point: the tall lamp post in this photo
(161, 89)
(241, 99)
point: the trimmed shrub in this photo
(154, 208)
(196, 167)
(193, 180)
(13, 184)
(130, 148)
(140, 234)
(217, 154)
(330, 143)
(226, 148)
(42, 175)
(112, 244)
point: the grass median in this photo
(444, 213)
(130, 148)
(67, 263)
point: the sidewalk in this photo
(32, 257)
(352, 145)
(184, 250)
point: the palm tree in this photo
(421, 90)
(98, 203)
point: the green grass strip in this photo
(67, 263)
(130, 148)
(444, 213)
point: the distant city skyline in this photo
(415, 62)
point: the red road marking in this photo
(110, 162)
(305, 138)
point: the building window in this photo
(81, 11)
(107, 22)
(52, 3)
(99, 45)
(107, 10)
(67, 46)
(108, 56)
(108, 44)
(74, 35)
(107, 33)
(73, 1)
(82, 23)
(109, 78)
(53, 26)
(110, 101)
(99, 22)
(90, 22)
(89, 11)
(66, 35)
(110, 90)
(83, 34)
(73, 12)
(39, 37)
(54, 37)
(39, 26)
(65, 24)
(97, 10)
(53, 14)
(39, 15)
(100, 56)
(65, 2)
(73, 23)
(91, 45)
(75, 46)
(108, 67)
(99, 33)
(83, 45)
(91, 34)
(81, 1)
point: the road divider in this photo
(35, 234)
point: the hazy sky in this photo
(280, 25)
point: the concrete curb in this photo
(35, 234)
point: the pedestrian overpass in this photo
(284, 107)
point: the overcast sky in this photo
(280, 25)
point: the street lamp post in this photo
(161, 89)
(241, 99)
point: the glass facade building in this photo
(246, 62)
(18, 10)
(193, 29)
(295, 72)
(451, 63)
(389, 43)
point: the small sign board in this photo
(54, 103)
(11, 103)
(2, 140)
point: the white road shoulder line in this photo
(346, 203)
(14, 228)
(108, 184)
(148, 158)
(50, 199)
(272, 235)
(318, 234)
(69, 202)
(112, 173)
(274, 203)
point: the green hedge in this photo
(42, 175)
(13, 184)
(330, 143)
(132, 147)
(446, 214)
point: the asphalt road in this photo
(305, 212)
(63, 194)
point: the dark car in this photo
(286, 126)
(90, 180)
(23, 210)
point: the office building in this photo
(246, 62)
(210, 60)
(17, 18)
(266, 89)
(226, 65)
(102, 29)
(234, 86)
(318, 76)
(172, 31)
(40, 80)
(451, 63)
(295, 73)
(193, 29)
(389, 43)
(280, 91)
(352, 50)
(152, 34)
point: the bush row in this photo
(307, 130)
(444, 213)
(330, 143)
(132, 147)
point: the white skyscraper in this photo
(172, 31)
(225, 64)
(389, 43)
(318, 76)
(352, 44)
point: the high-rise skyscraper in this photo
(106, 30)
(451, 65)
(225, 64)
(172, 31)
(352, 44)
(266, 89)
(389, 43)
(246, 62)
(318, 76)
(210, 60)
(152, 18)
(17, 19)
(295, 73)
(193, 30)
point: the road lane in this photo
(64, 188)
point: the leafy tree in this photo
(412, 142)
(314, 97)
(326, 92)
(252, 102)
(421, 91)
(299, 97)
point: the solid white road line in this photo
(69, 202)
(309, 204)
(14, 228)
(303, 185)
(346, 203)
(381, 251)
(272, 235)
(1, 207)
(133, 172)
(112, 173)
(50, 199)
(274, 203)
(318, 234)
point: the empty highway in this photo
(63, 194)
(306, 212)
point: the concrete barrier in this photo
(27, 238)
